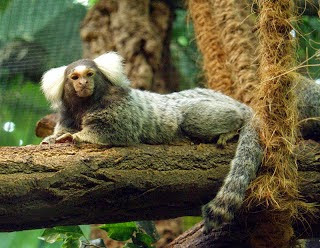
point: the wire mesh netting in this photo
(34, 37)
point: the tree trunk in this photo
(42, 186)
(140, 32)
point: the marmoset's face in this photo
(82, 79)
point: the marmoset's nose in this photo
(83, 81)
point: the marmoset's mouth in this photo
(85, 92)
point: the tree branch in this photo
(42, 186)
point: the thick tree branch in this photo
(43, 186)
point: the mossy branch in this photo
(42, 186)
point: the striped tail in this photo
(243, 169)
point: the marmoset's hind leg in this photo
(207, 120)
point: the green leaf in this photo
(143, 239)
(120, 231)
(71, 231)
(59, 233)
(50, 235)
(71, 242)
(131, 245)
(86, 229)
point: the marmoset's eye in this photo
(90, 74)
(74, 77)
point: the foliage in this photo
(120, 231)
(74, 237)
(4, 4)
(25, 239)
(69, 236)
(308, 33)
(46, 23)
(36, 238)
(184, 51)
(130, 232)
(92, 2)
(22, 105)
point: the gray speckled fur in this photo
(145, 117)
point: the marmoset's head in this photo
(81, 78)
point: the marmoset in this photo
(96, 105)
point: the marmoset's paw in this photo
(48, 140)
(65, 138)
(223, 138)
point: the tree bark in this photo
(228, 236)
(140, 32)
(42, 186)
(234, 235)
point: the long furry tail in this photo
(243, 169)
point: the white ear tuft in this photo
(111, 65)
(52, 85)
